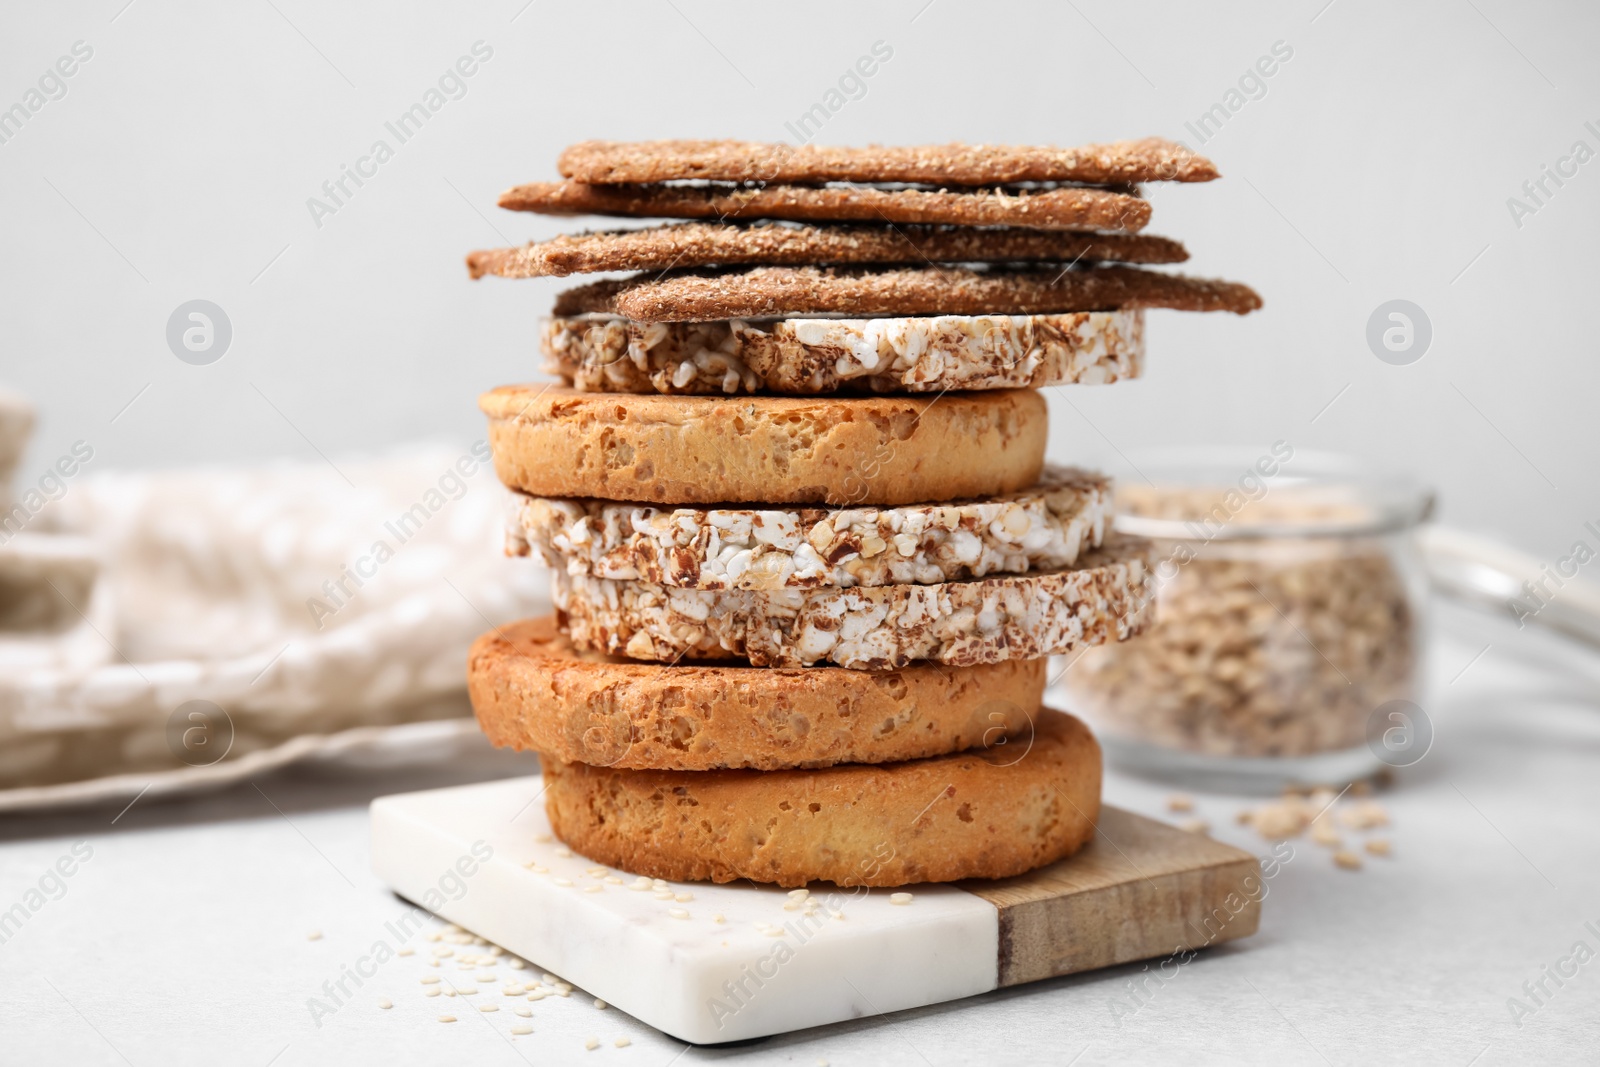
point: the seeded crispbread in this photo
(1108, 595)
(1150, 159)
(812, 356)
(532, 690)
(775, 292)
(990, 813)
(704, 244)
(1063, 208)
(1043, 527)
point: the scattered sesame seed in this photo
(452, 928)
(799, 894)
(487, 976)
(791, 906)
(521, 1030)
(640, 884)
(597, 872)
(599, 1003)
(467, 990)
(537, 994)
(837, 915)
(538, 869)
(774, 931)
(442, 951)
(406, 952)
(594, 889)
(543, 839)
(717, 918)
(433, 963)
(315, 935)
(678, 913)
(431, 991)
(486, 1008)
(1177, 802)
(516, 965)
(548, 979)
(1378, 846)
(512, 991)
(564, 852)
(622, 1042)
(385, 1003)
(1348, 860)
(562, 881)
(447, 1018)
(563, 988)
(899, 898)
(449, 992)
(479, 941)
(591, 1043)
(612, 879)
(1323, 832)
(496, 950)
(663, 894)
(1195, 826)
(683, 898)
(526, 1013)
(431, 936)
(430, 979)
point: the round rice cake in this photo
(1043, 527)
(987, 813)
(803, 357)
(1108, 596)
(555, 441)
(532, 690)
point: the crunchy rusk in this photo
(992, 813)
(808, 357)
(1062, 208)
(704, 244)
(1044, 527)
(1106, 597)
(1147, 160)
(555, 441)
(532, 690)
(778, 292)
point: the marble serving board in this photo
(740, 961)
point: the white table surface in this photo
(184, 938)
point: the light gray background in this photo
(1377, 166)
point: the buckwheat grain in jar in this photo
(1289, 622)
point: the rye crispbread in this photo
(532, 690)
(554, 441)
(781, 292)
(1063, 208)
(703, 244)
(990, 813)
(1147, 160)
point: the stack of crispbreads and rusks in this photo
(807, 557)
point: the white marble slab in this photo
(481, 856)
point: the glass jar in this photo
(1289, 622)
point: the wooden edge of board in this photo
(1138, 890)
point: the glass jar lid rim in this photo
(1389, 501)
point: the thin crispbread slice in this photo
(705, 244)
(776, 292)
(1150, 159)
(1063, 208)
